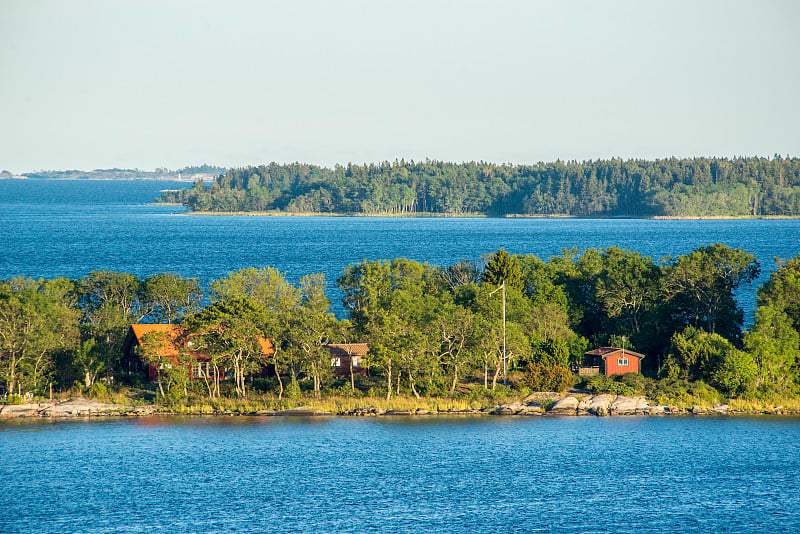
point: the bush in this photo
(541, 377)
(97, 391)
(293, 390)
(608, 384)
(14, 399)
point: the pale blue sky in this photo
(97, 84)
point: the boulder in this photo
(532, 407)
(599, 404)
(398, 412)
(422, 411)
(502, 410)
(659, 410)
(721, 409)
(628, 405)
(565, 406)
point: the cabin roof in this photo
(173, 331)
(605, 352)
(348, 349)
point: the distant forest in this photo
(752, 186)
(188, 173)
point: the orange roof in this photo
(266, 346)
(141, 330)
(173, 330)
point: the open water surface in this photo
(412, 474)
(69, 228)
(372, 475)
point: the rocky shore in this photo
(535, 404)
(77, 407)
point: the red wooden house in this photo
(201, 367)
(342, 354)
(611, 361)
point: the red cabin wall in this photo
(613, 368)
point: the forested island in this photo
(695, 187)
(433, 332)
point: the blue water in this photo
(69, 228)
(372, 475)
(434, 474)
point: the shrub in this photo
(14, 399)
(541, 377)
(293, 390)
(98, 391)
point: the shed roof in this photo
(605, 352)
(348, 349)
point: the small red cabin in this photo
(200, 367)
(611, 361)
(342, 354)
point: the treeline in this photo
(432, 331)
(667, 187)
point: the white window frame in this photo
(623, 362)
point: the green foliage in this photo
(698, 355)
(782, 291)
(774, 344)
(552, 352)
(98, 391)
(502, 268)
(34, 327)
(608, 384)
(543, 377)
(699, 287)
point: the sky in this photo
(147, 84)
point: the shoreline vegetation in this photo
(436, 336)
(681, 188)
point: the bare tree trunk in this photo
(413, 389)
(208, 386)
(352, 378)
(496, 374)
(277, 373)
(389, 381)
(455, 379)
(398, 383)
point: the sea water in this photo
(402, 474)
